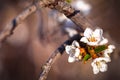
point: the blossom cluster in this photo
(95, 47)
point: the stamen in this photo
(93, 54)
(82, 51)
(92, 38)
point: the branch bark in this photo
(72, 14)
(55, 55)
(75, 15)
(59, 5)
(62, 7)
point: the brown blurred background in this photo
(33, 41)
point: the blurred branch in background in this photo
(59, 5)
(8, 30)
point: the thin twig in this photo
(55, 55)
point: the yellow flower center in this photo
(82, 51)
(92, 39)
(98, 64)
(93, 54)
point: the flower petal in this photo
(95, 68)
(103, 42)
(98, 33)
(106, 54)
(70, 49)
(108, 51)
(77, 52)
(88, 32)
(111, 46)
(105, 59)
(71, 59)
(75, 43)
(92, 43)
(103, 67)
(84, 39)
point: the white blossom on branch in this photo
(99, 64)
(73, 51)
(94, 37)
(92, 46)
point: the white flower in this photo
(94, 37)
(108, 50)
(99, 64)
(73, 51)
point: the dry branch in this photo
(75, 15)
(59, 5)
(72, 14)
(62, 7)
(55, 55)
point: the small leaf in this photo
(86, 57)
(69, 1)
(100, 48)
